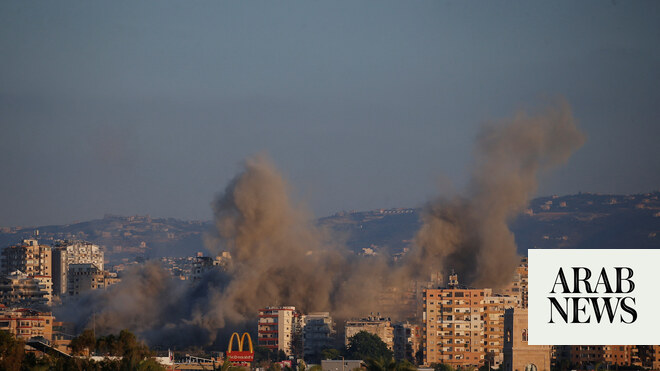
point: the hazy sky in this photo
(149, 107)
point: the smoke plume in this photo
(470, 234)
(280, 257)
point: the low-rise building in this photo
(342, 365)
(26, 323)
(377, 325)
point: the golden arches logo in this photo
(240, 356)
(241, 342)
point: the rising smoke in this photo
(280, 257)
(470, 234)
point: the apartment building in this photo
(407, 340)
(18, 288)
(66, 253)
(85, 277)
(28, 257)
(462, 326)
(26, 323)
(518, 287)
(276, 328)
(317, 334)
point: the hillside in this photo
(577, 221)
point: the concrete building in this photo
(376, 325)
(203, 264)
(317, 334)
(407, 341)
(341, 365)
(19, 289)
(518, 354)
(85, 277)
(26, 323)
(28, 257)
(276, 328)
(519, 283)
(494, 310)
(583, 356)
(66, 253)
(463, 327)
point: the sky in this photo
(151, 107)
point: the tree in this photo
(132, 350)
(11, 352)
(331, 354)
(86, 340)
(364, 345)
(441, 367)
(382, 364)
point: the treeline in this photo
(123, 352)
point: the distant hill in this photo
(585, 220)
(123, 237)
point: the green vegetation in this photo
(364, 345)
(383, 364)
(134, 354)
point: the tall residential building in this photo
(518, 354)
(463, 327)
(66, 253)
(85, 277)
(26, 323)
(28, 257)
(18, 288)
(276, 328)
(518, 286)
(317, 334)
(495, 306)
(376, 325)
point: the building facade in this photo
(26, 323)
(28, 257)
(518, 354)
(380, 326)
(19, 289)
(519, 283)
(317, 334)
(85, 277)
(276, 328)
(407, 340)
(463, 327)
(66, 253)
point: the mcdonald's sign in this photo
(240, 356)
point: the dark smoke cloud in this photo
(470, 234)
(280, 257)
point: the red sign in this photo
(240, 356)
(236, 356)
